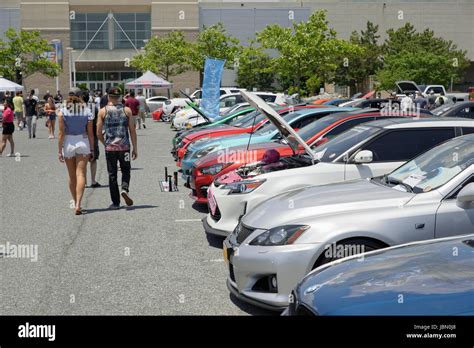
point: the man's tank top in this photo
(116, 129)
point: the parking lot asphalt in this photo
(151, 259)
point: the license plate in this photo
(212, 201)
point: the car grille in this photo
(217, 215)
(231, 272)
(243, 233)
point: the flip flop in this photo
(81, 212)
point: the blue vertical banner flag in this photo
(211, 85)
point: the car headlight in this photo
(244, 186)
(282, 235)
(214, 169)
(205, 151)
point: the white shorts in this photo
(76, 145)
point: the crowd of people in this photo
(83, 122)
(417, 101)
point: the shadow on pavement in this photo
(134, 207)
(200, 207)
(215, 241)
(252, 310)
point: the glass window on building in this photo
(85, 26)
(134, 27)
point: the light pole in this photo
(72, 69)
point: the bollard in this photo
(175, 174)
(166, 173)
(170, 184)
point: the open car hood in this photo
(293, 139)
(199, 111)
(407, 86)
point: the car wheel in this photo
(165, 118)
(347, 248)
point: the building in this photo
(99, 38)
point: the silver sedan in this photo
(285, 237)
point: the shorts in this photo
(52, 117)
(19, 116)
(76, 145)
(8, 128)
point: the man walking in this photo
(116, 120)
(31, 111)
(142, 111)
(134, 105)
(18, 109)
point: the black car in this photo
(463, 109)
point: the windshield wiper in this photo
(389, 180)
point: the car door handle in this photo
(419, 226)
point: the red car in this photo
(206, 169)
(246, 127)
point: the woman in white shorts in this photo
(74, 139)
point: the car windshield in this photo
(441, 109)
(315, 127)
(247, 120)
(335, 147)
(287, 116)
(434, 168)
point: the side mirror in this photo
(364, 156)
(465, 196)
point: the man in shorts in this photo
(142, 110)
(134, 105)
(19, 110)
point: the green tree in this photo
(421, 57)
(307, 52)
(22, 54)
(358, 65)
(214, 42)
(254, 68)
(167, 56)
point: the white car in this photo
(177, 103)
(156, 103)
(189, 117)
(365, 151)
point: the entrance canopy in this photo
(9, 86)
(149, 80)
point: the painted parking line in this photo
(188, 220)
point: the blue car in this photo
(434, 277)
(297, 119)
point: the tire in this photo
(364, 245)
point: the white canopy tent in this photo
(148, 81)
(9, 86)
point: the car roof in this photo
(304, 111)
(415, 122)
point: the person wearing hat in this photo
(74, 143)
(120, 139)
